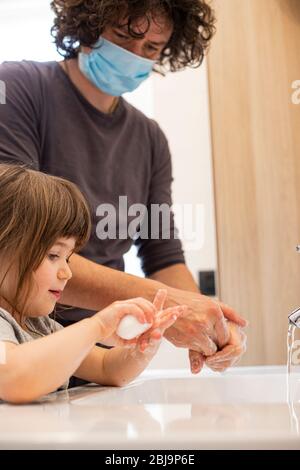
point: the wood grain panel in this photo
(254, 59)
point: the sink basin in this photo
(244, 408)
(235, 390)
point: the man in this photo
(69, 119)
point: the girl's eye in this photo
(52, 257)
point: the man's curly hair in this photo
(81, 22)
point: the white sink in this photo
(245, 408)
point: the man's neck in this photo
(100, 100)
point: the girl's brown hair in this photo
(81, 22)
(36, 209)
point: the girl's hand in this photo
(110, 317)
(150, 340)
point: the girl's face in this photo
(51, 278)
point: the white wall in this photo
(25, 30)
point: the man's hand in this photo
(231, 353)
(227, 357)
(203, 329)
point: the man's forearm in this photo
(93, 286)
(178, 276)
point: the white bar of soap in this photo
(129, 327)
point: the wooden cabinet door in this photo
(252, 65)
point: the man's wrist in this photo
(151, 289)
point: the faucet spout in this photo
(294, 317)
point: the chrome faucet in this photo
(294, 317)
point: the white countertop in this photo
(244, 408)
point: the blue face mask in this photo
(113, 69)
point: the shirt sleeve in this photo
(162, 247)
(7, 332)
(19, 115)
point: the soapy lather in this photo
(129, 327)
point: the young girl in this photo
(44, 219)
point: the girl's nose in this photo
(64, 274)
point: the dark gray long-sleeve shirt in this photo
(48, 124)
